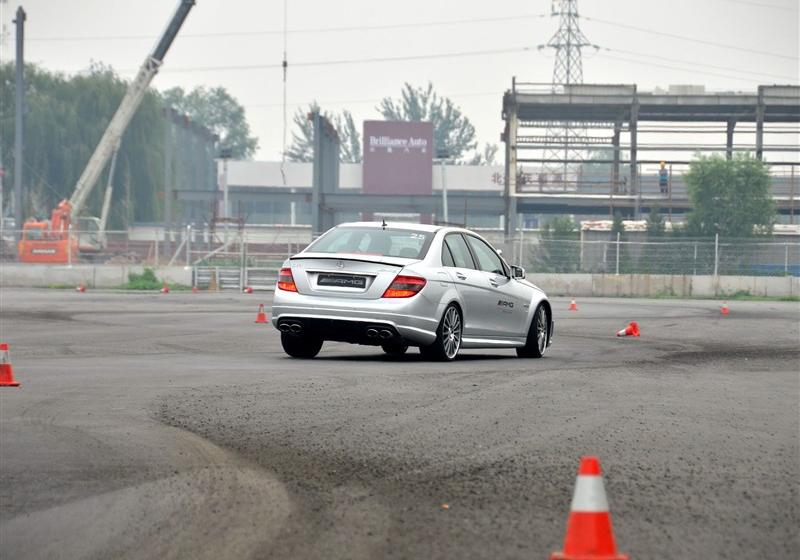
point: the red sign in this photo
(398, 157)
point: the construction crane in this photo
(51, 241)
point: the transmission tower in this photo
(568, 69)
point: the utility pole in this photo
(567, 69)
(2, 60)
(19, 120)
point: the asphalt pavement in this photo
(172, 426)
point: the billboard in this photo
(398, 157)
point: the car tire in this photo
(536, 343)
(300, 346)
(448, 337)
(397, 349)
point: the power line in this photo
(694, 63)
(456, 54)
(762, 5)
(296, 31)
(685, 38)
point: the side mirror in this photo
(517, 272)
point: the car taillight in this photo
(404, 286)
(286, 280)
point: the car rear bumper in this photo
(352, 321)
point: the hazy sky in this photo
(220, 35)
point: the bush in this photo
(147, 280)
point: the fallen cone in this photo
(6, 371)
(590, 535)
(248, 289)
(80, 287)
(261, 317)
(724, 310)
(165, 288)
(573, 306)
(631, 330)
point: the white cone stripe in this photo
(589, 496)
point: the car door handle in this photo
(493, 283)
(460, 276)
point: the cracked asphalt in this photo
(172, 426)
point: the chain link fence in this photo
(740, 257)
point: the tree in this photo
(219, 111)
(453, 133)
(486, 157)
(65, 118)
(655, 223)
(302, 148)
(558, 249)
(730, 197)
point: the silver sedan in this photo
(400, 285)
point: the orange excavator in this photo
(53, 241)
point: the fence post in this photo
(155, 233)
(617, 254)
(69, 245)
(716, 255)
(188, 245)
(694, 269)
(580, 264)
(786, 259)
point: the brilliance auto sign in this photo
(398, 157)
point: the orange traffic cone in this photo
(165, 288)
(573, 306)
(6, 371)
(195, 289)
(261, 317)
(589, 532)
(724, 309)
(248, 289)
(80, 287)
(631, 330)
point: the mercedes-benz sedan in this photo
(398, 285)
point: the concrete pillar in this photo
(615, 167)
(634, 124)
(729, 138)
(760, 124)
(510, 137)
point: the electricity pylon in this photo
(561, 138)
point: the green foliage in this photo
(302, 148)
(730, 197)
(64, 121)
(558, 249)
(219, 111)
(655, 223)
(147, 280)
(453, 133)
(486, 157)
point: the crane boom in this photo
(127, 108)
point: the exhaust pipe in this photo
(296, 327)
(386, 333)
(284, 327)
(372, 333)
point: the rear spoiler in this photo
(375, 259)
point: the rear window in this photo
(374, 241)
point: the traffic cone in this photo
(6, 371)
(248, 289)
(80, 287)
(724, 309)
(165, 288)
(261, 317)
(589, 532)
(631, 330)
(195, 289)
(573, 306)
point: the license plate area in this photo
(342, 281)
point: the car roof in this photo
(394, 225)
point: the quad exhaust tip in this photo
(372, 333)
(291, 327)
(386, 333)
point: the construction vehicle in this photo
(52, 241)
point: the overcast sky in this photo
(647, 42)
